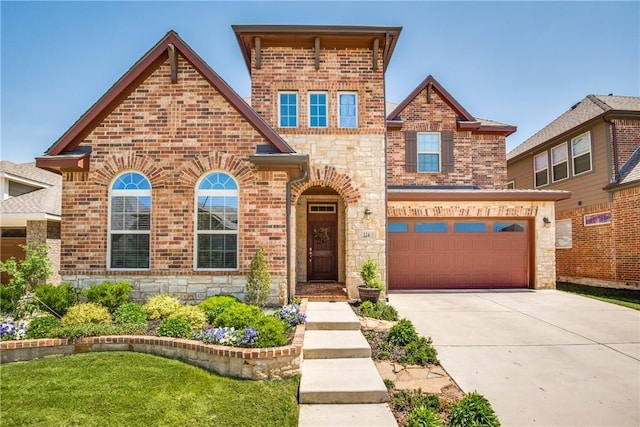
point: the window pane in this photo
(431, 227)
(580, 145)
(508, 227)
(217, 213)
(428, 162)
(347, 110)
(582, 163)
(542, 178)
(318, 110)
(217, 251)
(218, 181)
(130, 213)
(428, 143)
(560, 171)
(397, 227)
(131, 181)
(540, 162)
(129, 251)
(470, 227)
(559, 154)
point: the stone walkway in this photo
(339, 385)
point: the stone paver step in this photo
(362, 415)
(342, 381)
(331, 316)
(323, 344)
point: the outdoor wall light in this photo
(546, 222)
(367, 213)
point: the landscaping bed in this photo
(421, 392)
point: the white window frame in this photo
(196, 232)
(288, 92)
(566, 150)
(573, 157)
(339, 115)
(535, 171)
(326, 97)
(110, 232)
(511, 185)
(439, 152)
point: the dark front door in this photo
(322, 260)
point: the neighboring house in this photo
(173, 181)
(29, 211)
(593, 150)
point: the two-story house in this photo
(593, 150)
(29, 212)
(173, 181)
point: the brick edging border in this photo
(248, 363)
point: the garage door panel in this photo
(427, 259)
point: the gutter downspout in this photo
(303, 177)
(614, 143)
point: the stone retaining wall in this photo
(247, 363)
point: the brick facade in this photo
(47, 232)
(173, 134)
(627, 138)
(604, 255)
(479, 159)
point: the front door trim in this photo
(322, 243)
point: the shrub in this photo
(42, 327)
(402, 333)
(290, 316)
(110, 295)
(238, 316)
(368, 271)
(130, 313)
(379, 310)
(175, 327)
(216, 304)
(130, 329)
(161, 307)
(421, 416)
(473, 410)
(420, 352)
(192, 314)
(9, 297)
(409, 399)
(245, 337)
(56, 299)
(11, 330)
(33, 270)
(80, 330)
(88, 312)
(271, 332)
(258, 280)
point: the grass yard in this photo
(133, 389)
(625, 297)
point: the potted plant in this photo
(371, 288)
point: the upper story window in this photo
(288, 109)
(511, 185)
(217, 222)
(129, 222)
(541, 169)
(428, 152)
(318, 110)
(347, 110)
(581, 153)
(559, 162)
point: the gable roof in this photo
(629, 175)
(590, 108)
(465, 120)
(43, 203)
(158, 54)
(30, 172)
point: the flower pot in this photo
(369, 294)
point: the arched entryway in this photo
(320, 243)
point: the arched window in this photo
(129, 222)
(217, 222)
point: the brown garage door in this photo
(10, 247)
(451, 254)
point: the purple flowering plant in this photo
(245, 337)
(12, 330)
(290, 315)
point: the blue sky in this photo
(522, 63)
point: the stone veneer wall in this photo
(191, 288)
(544, 262)
(248, 363)
(47, 232)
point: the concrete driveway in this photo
(543, 358)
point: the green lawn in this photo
(132, 389)
(625, 297)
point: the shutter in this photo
(411, 151)
(447, 151)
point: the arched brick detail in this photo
(115, 164)
(236, 166)
(327, 177)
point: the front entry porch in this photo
(322, 291)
